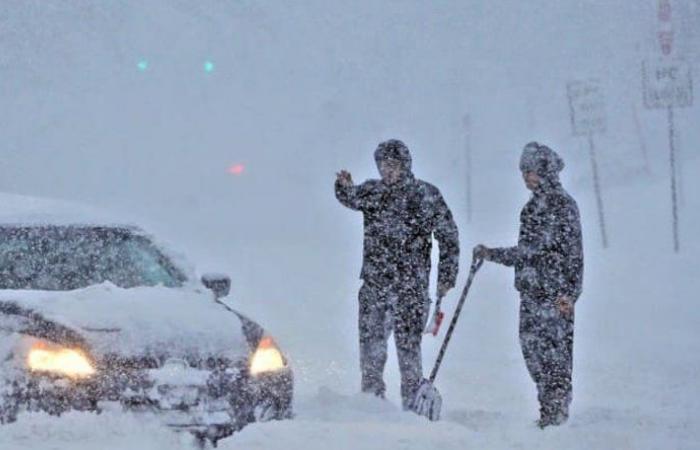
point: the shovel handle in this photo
(438, 302)
(476, 265)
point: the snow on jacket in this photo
(399, 222)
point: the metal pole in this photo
(642, 141)
(468, 152)
(678, 146)
(598, 196)
(466, 122)
(674, 194)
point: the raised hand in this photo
(344, 178)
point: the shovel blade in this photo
(428, 401)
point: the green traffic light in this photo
(143, 66)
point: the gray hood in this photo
(396, 150)
(542, 160)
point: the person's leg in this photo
(408, 333)
(408, 350)
(373, 338)
(558, 365)
(533, 342)
(530, 335)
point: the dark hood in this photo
(396, 150)
(542, 160)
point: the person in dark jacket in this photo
(401, 215)
(548, 263)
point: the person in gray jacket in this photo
(548, 262)
(401, 216)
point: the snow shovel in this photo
(428, 401)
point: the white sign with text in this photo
(587, 107)
(667, 84)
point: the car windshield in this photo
(66, 258)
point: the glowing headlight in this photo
(267, 358)
(59, 360)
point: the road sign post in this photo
(466, 122)
(587, 108)
(668, 84)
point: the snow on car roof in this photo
(25, 210)
(18, 209)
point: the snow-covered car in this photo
(95, 315)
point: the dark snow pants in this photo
(547, 341)
(383, 309)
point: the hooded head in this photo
(393, 161)
(543, 161)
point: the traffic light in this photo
(143, 65)
(236, 169)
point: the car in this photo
(97, 315)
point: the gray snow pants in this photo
(387, 309)
(547, 342)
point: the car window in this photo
(65, 258)
(133, 263)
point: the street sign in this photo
(667, 84)
(587, 107)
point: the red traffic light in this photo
(236, 169)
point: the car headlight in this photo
(267, 358)
(58, 360)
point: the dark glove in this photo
(481, 252)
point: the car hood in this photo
(153, 321)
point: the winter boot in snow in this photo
(376, 390)
(552, 416)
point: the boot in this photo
(552, 416)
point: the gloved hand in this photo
(344, 179)
(442, 290)
(565, 305)
(482, 252)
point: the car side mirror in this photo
(219, 284)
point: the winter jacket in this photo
(399, 222)
(548, 259)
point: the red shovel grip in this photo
(438, 321)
